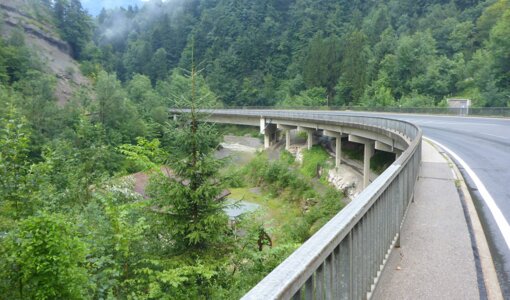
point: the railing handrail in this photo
(303, 269)
(473, 111)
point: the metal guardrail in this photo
(473, 111)
(344, 259)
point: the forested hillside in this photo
(71, 225)
(272, 52)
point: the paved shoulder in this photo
(435, 260)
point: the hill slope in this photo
(313, 52)
(41, 35)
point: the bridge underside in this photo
(345, 257)
(372, 138)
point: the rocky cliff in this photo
(42, 36)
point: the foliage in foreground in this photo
(71, 226)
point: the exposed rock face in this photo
(43, 38)
(297, 151)
(346, 180)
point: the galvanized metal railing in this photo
(344, 259)
(473, 111)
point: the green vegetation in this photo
(307, 53)
(47, 259)
(381, 160)
(378, 162)
(353, 151)
(293, 199)
(72, 228)
(314, 160)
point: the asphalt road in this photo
(484, 145)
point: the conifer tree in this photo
(191, 197)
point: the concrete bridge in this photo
(345, 259)
(373, 137)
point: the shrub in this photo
(313, 160)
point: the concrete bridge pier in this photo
(309, 139)
(368, 152)
(338, 145)
(269, 132)
(286, 129)
(269, 135)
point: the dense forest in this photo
(71, 226)
(298, 53)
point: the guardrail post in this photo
(309, 288)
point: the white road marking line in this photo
(500, 219)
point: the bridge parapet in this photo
(344, 259)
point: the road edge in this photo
(490, 277)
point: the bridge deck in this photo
(435, 260)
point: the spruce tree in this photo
(190, 195)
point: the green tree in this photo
(321, 66)
(411, 59)
(158, 68)
(378, 93)
(189, 200)
(38, 102)
(115, 112)
(74, 24)
(44, 259)
(14, 165)
(354, 68)
(178, 89)
(489, 18)
(313, 97)
(120, 240)
(498, 46)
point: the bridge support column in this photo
(368, 151)
(286, 129)
(309, 139)
(338, 145)
(269, 135)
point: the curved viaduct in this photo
(353, 247)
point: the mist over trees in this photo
(382, 53)
(71, 226)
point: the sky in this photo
(95, 6)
